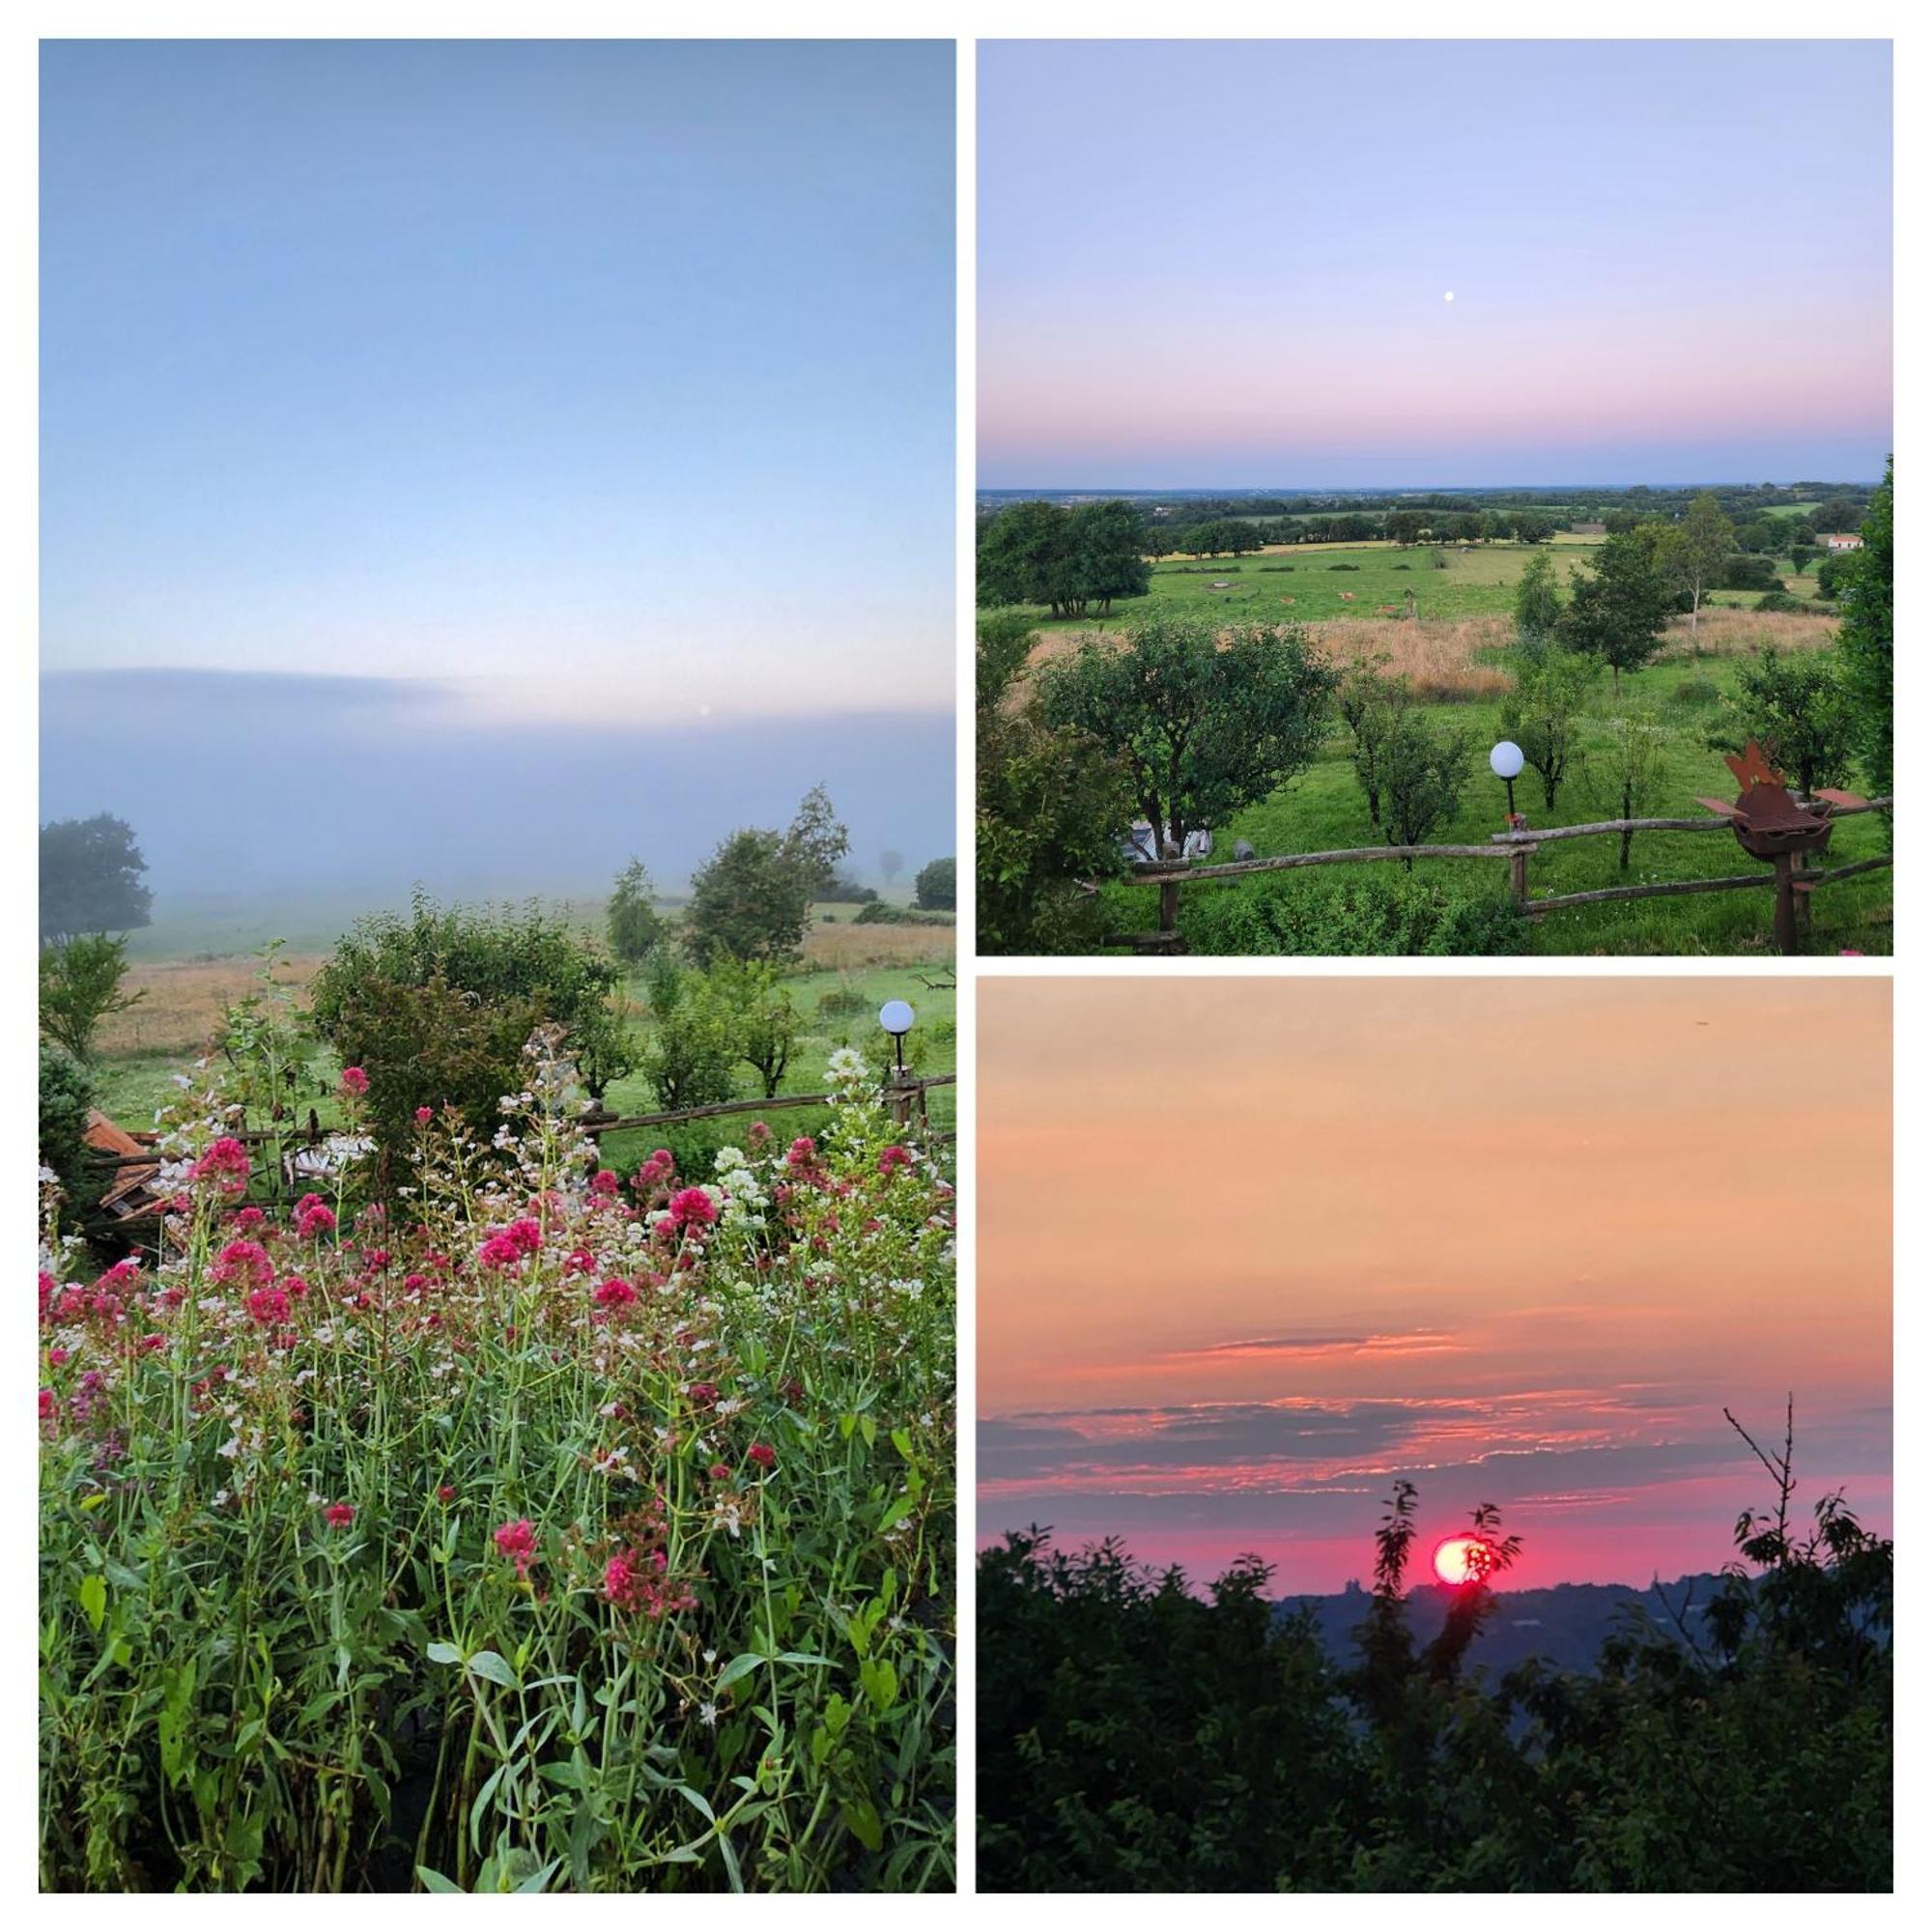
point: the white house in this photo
(1843, 541)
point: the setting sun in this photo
(1462, 1559)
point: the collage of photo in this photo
(758, 1176)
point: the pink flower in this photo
(894, 1157)
(314, 1216)
(445, 1492)
(247, 1220)
(339, 1516)
(224, 1166)
(50, 1406)
(604, 1181)
(518, 1540)
(621, 1581)
(763, 1455)
(692, 1208)
(424, 1116)
(615, 1294)
(721, 1472)
(355, 1081)
(657, 1169)
(269, 1307)
(702, 1394)
(59, 1357)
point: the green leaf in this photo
(444, 1653)
(434, 1881)
(862, 1821)
(487, 1663)
(741, 1666)
(93, 1594)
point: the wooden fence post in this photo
(1170, 914)
(1519, 876)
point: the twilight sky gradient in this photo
(1223, 264)
(1251, 1249)
(574, 381)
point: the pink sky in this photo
(1251, 1249)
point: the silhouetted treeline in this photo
(1134, 1736)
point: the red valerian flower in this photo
(248, 1219)
(224, 1166)
(763, 1455)
(355, 1081)
(894, 1157)
(314, 1216)
(615, 1294)
(339, 1516)
(702, 1394)
(604, 1181)
(656, 1171)
(445, 1492)
(692, 1208)
(518, 1540)
(424, 1116)
(269, 1307)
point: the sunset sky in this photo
(1225, 263)
(1250, 1250)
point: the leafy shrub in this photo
(541, 1538)
(1345, 566)
(694, 1040)
(81, 986)
(436, 1007)
(1795, 707)
(1695, 690)
(66, 1094)
(1372, 910)
(1779, 600)
(1748, 573)
(636, 926)
(936, 888)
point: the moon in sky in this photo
(1448, 294)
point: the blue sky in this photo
(586, 380)
(1228, 263)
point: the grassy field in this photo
(848, 971)
(1456, 656)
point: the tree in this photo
(1543, 714)
(1210, 722)
(890, 865)
(1690, 556)
(764, 1019)
(1538, 604)
(1107, 547)
(636, 926)
(753, 899)
(81, 986)
(1422, 774)
(1371, 703)
(66, 1098)
(91, 873)
(1864, 639)
(1051, 807)
(936, 889)
(1795, 706)
(1634, 773)
(693, 1043)
(1618, 606)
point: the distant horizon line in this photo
(1394, 489)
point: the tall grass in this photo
(531, 1532)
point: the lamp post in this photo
(896, 1017)
(1506, 761)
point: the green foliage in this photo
(1372, 911)
(81, 986)
(437, 1006)
(1538, 604)
(763, 1018)
(91, 878)
(1543, 714)
(1630, 777)
(1372, 703)
(1050, 807)
(1748, 573)
(695, 1038)
(66, 1094)
(1209, 721)
(637, 929)
(1795, 707)
(1865, 640)
(1423, 768)
(1072, 560)
(1135, 1735)
(1695, 553)
(936, 888)
(753, 899)
(1618, 606)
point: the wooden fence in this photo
(1793, 880)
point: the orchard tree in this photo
(1543, 714)
(1618, 606)
(1796, 707)
(91, 878)
(81, 986)
(1209, 722)
(1690, 556)
(1538, 606)
(637, 929)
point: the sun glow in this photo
(1462, 1559)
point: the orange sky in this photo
(1252, 1248)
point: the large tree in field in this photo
(1618, 606)
(91, 873)
(1070, 560)
(753, 899)
(1690, 556)
(1864, 639)
(1209, 721)
(1109, 554)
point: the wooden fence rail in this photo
(1793, 882)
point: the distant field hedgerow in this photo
(534, 1529)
